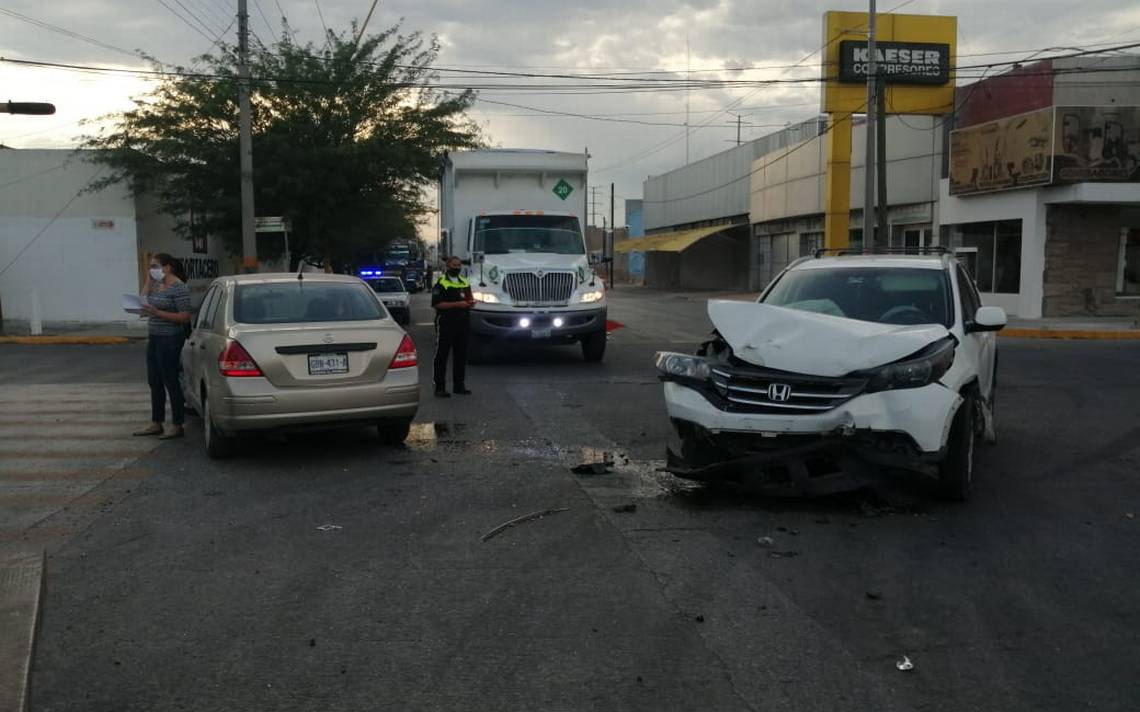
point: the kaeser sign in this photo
(898, 62)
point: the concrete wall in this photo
(722, 181)
(156, 234)
(1082, 256)
(789, 183)
(81, 248)
(1097, 87)
(1025, 205)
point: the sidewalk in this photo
(114, 332)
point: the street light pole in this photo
(245, 147)
(869, 159)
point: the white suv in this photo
(846, 367)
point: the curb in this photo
(1082, 334)
(21, 603)
(70, 340)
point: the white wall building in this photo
(69, 254)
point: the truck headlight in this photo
(915, 371)
(592, 296)
(485, 297)
(682, 366)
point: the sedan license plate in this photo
(324, 364)
(540, 334)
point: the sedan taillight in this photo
(236, 362)
(405, 355)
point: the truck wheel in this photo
(956, 470)
(594, 346)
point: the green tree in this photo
(345, 139)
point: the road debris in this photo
(783, 554)
(592, 468)
(874, 595)
(329, 527)
(904, 664)
(700, 619)
(625, 508)
(1130, 515)
(520, 520)
(766, 541)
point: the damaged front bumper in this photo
(817, 453)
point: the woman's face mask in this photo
(156, 273)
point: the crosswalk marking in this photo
(58, 443)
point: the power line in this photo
(32, 176)
(272, 32)
(194, 15)
(68, 33)
(591, 117)
(185, 21)
(321, 15)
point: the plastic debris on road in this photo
(592, 468)
(766, 541)
(904, 664)
(329, 527)
(625, 508)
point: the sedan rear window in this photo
(298, 302)
(882, 295)
(386, 284)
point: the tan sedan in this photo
(282, 351)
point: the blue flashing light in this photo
(371, 272)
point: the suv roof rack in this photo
(844, 251)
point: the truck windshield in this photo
(503, 234)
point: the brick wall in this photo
(1082, 248)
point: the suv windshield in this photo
(884, 295)
(295, 302)
(386, 284)
(502, 234)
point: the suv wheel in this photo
(594, 346)
(956, 470)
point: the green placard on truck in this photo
(563, 189)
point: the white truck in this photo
(514, 217)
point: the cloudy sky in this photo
(632, 134)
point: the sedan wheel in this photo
(217, 445)
(956, 471)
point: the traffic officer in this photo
(452, 300)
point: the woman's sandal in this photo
(152, 430)
(176, 433)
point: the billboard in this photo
(1014, 152)
(1096, 144)
(918, 54)
(896, 62)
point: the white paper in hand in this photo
(132, 304)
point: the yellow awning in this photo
(669, 241)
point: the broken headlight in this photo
(915, 371)
(682, 366)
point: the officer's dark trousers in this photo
(451, 338)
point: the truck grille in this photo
(552, 288)
(757, 390)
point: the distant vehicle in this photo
(406, 258)
(844, 365)
(514, 218)
(396, 299)
(286, 351)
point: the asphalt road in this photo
(202, 585)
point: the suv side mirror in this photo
(987, 319)
(478, 257)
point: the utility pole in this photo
(869, 159)
(613, 226)
(881, 149)
(688, 78)
(245, 145)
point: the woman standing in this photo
(167, 303)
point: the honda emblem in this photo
(327, 339)
(779, 392)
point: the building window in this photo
(996, 249)
(810, 242)
(1128, 271)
